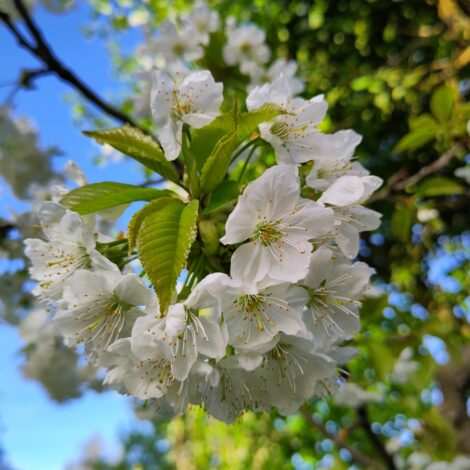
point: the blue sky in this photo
(36, 433)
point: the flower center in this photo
(246, 47)
(178, 49)
(280, 129)
(181, 105)
(250, 303)
(267, 233)
(288, 364)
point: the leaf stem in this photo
(245, 165)
(246, 146)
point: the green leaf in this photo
(422, 121)
(416, 139)
(439, 186)
(205, 139)
(442, 103)
(226, 192)
(164, 239)
(218, 162)
(137, 219)
(141, 147)
(99, 196)
(402, 221)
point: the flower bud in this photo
(210, 236)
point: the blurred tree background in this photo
(398, 73)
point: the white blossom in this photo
(255, 315)
(203, 21)
(334, 286)
(74, 173)
(246, 47)
(69, 246)
(326, 171)
(293, 135)
(278, 225)
(290, 373)
(22, 161)
(144, 372)
(349, 222)
(195, 101)
(350, 189)
(231, 395)
(345, 196)
(99, 307)
(49, 361)
(184, 332)
(353, 396)
(279, 67)
(177, 46)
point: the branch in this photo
(396, 182)
(42, 51)
(358, 456)
(153, 182)
(27, 76)
(374, 439)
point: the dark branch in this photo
(397, 182)
(29, 75)
(42, 51)
(15, 32)
(375, 440)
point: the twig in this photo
(358, 456)
(153, 182)
(29, 75)
(375, 440)
(42, 51)
(396, 182)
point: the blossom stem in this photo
(245, 165)
(246, 146)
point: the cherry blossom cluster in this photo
(188, 42)
(269, 332)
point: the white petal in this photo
(175, 320)
(204, 93)
(316, 219)
(321, 266)
(344, 191)
(171, 135)
(212, 343)
(294, 263)
(131, 289)
(347, 238)
(250, 263)
(341, 144)
(184, 359)
(311, 112)
(162, 97)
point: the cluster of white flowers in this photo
(53, 6)
(267, 333)
(185, 44)
(22, 162)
